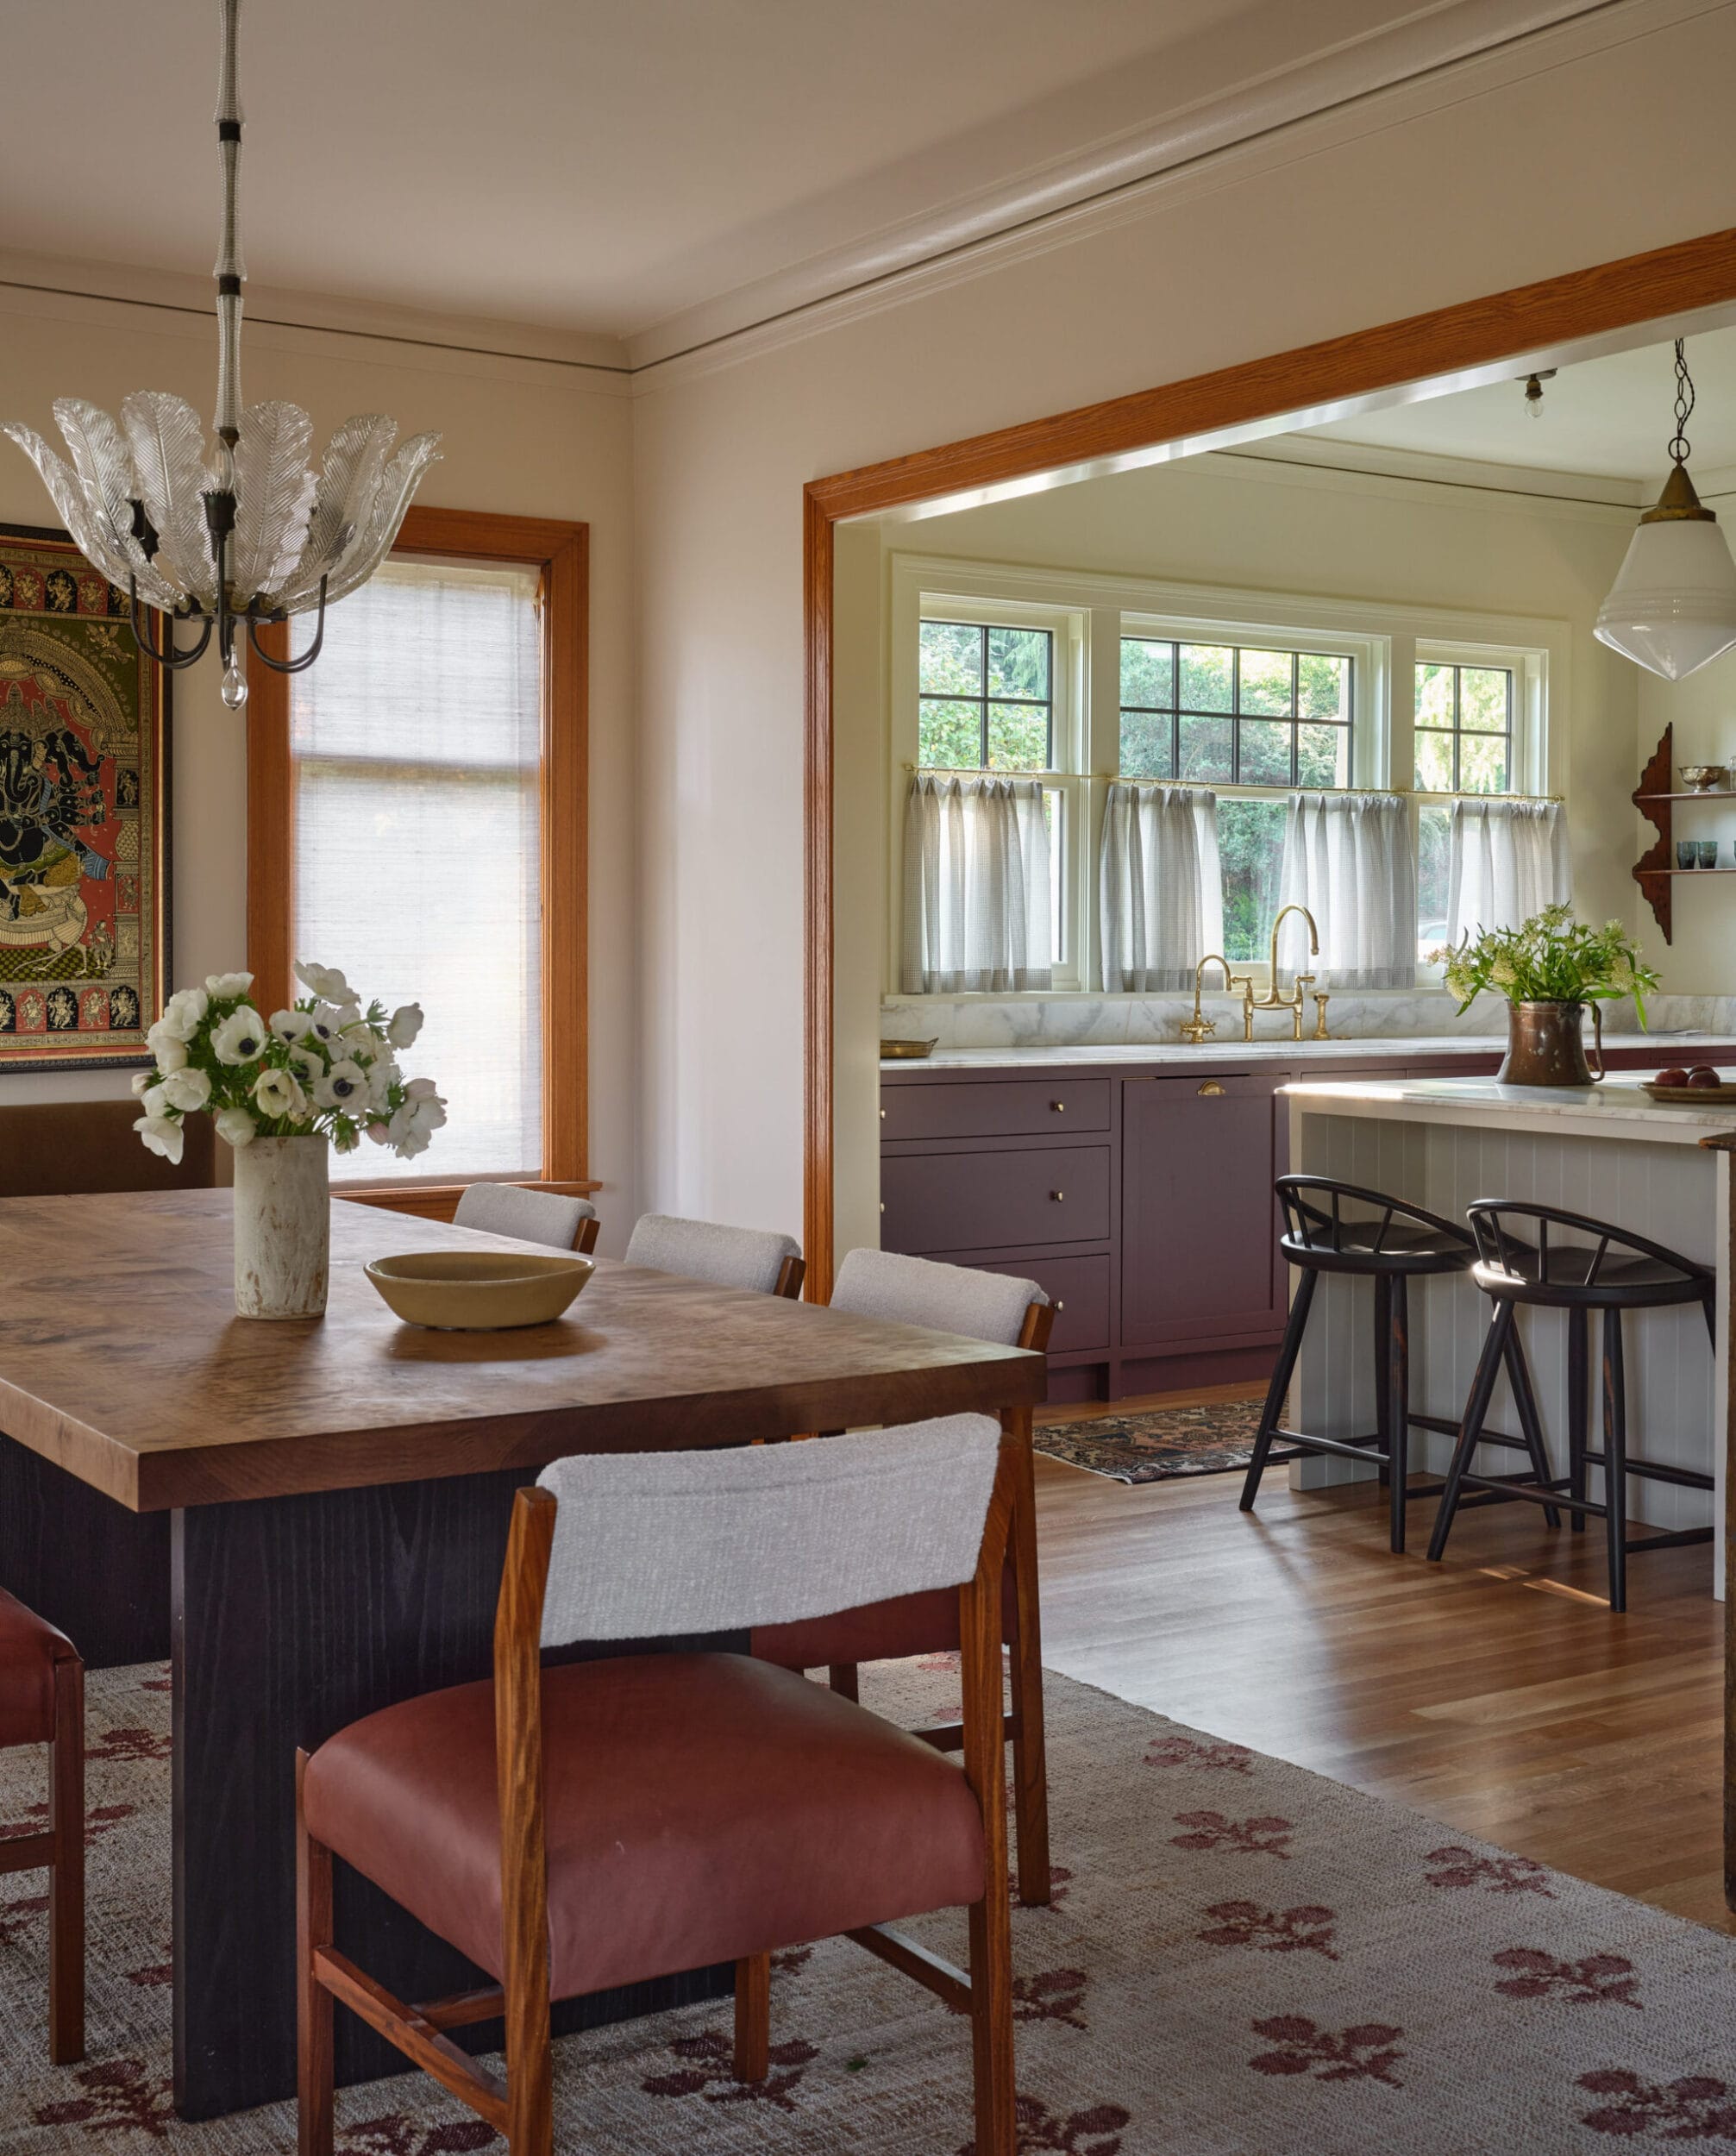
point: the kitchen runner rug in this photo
(1158, 1442)
(1242, 1959)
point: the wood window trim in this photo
(1655, 286)
(561, 551)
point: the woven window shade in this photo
(416, 761)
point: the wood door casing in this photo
(1197, 1246)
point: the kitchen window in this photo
(416, 807)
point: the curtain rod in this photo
(1201, 786)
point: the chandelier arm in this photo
(171, 658)
(290, 666)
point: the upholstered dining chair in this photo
(1013, 1313)
(603, 1822)
(42, 1702)
(534, 1216)
(758, 1258)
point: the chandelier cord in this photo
(1684, 406)
(230, 270)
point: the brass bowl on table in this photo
(906, 1051)
(479, 1291)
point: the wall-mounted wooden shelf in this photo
(1656, 868)
(1701, 794)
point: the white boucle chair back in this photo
(705, 1249)
(534, 1216)
(945, 1298)
(651, 1543)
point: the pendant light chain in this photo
(1684, 406)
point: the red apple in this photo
(1702, 1075)
(1675, 1075)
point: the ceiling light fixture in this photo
(247, 535)
(1533, 390)
(1672, 608)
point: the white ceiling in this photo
(1610, 417)
(601, 165)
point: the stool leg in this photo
(1530, 1422)
(1471, 1429)
(1398, 1414)
(1272, 1413)
(1578, 1410)
(1383, 1376)
(1615, 1459)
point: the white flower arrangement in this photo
(326, 1067)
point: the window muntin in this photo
(986, 696)
(1464, 732)
(1212, 713)
(416, 780)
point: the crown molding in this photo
(1464, 48)
(177, 293)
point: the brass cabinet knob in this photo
(1060, 1306)
(1211, 1090)
(1057, 1195)
(1059, 1106)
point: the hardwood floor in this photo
(1494, 1691)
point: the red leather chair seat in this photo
(878, 1632)
(29, 1650)
(700, 1808)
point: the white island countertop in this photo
(1668, 1047)
(1617, 1108)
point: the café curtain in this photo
(1350, 859)
(976, 904)
(1505, 862)
(1162, 893)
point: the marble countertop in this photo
(1617, 1108)
(1669, 1047)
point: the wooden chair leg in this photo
(314, 2070)
(1578, 1407)
(1615, 1459)
(753, 2018)
(1273, 1412)
(1471, 1429)
(991, 2025)
(1030, 1747)
(845, 1679)
(67, 1873)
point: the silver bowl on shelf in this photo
(1704, 778)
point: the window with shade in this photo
(418, 780)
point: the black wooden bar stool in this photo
(1337, 1227)
(1614, 1272)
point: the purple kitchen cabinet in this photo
(994, 1200)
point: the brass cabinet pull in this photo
(1059, 1106)
(1060, 1306)
(1057, 1195)
(1211, 1089)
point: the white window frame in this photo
(1384, 641)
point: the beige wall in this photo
(1436, 193)
(520, 437)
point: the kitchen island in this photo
(1608, 1151)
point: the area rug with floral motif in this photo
(1155, 1444)
(1241, 1960)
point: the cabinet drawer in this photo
(985, 1201)
(1017, 1108)
(1078, 1287)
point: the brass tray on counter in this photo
(907, 1051)
(1690, 1096)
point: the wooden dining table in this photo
(311, 1517)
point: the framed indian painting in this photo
(84, 814)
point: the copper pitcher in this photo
(1545, 1046)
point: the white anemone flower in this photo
(183, 1014)
(160, 1134)
(329, 1020)
(405, 1024)
(142, 1079)
(326, 982)
(235, 1126)
(277, 1094)
(308, 1066)
(169, 1048)
(241, 1037)
(221, 986)
(380, 1133)
(344, 1087)
(188, 1090)
(381, 1079)
(155, 1100)
(291, 1026)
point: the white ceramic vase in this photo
(283, 1227)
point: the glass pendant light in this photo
(1673, 607)
(239, 532)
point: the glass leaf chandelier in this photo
(1672, 607)
(237, 534)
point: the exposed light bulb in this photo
(235, 688)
